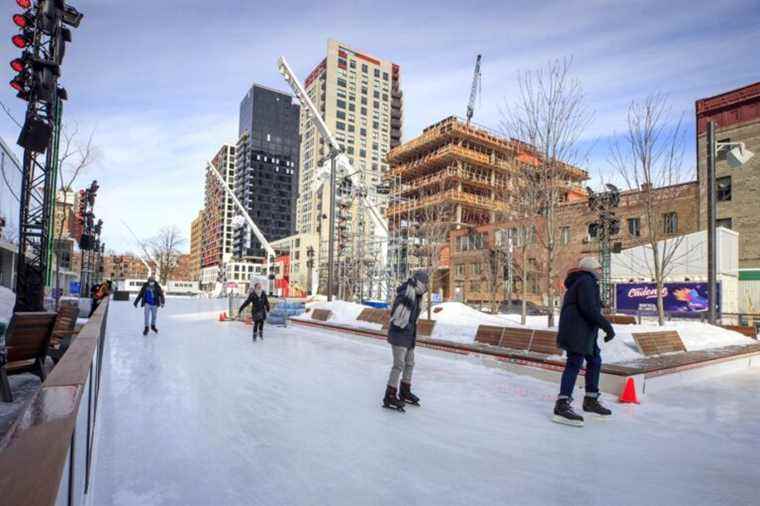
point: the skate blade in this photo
(415, 404)
(596, 416)
(395, 409)
(565, 421)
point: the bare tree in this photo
(429, 237)
(550, 115)
(649, 158)
(164, 251)
(73, 161)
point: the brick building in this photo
(476, 277)
(461, 174)
(737, 114)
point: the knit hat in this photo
(421, 276)
(589, 264)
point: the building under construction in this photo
(459, 173)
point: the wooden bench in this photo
(621, 319)
(538, 341)
(64, 330)
(26, 342)
(366, 315)
(321, 314)
(425, 327)
(658, 342)
(747, 331)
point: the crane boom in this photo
(341, 159)
(256, 231)
(474, 90)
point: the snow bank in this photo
(458, 322)
(7, 301)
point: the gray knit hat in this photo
(590, 264)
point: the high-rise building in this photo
(216, 239)
(359, 97)
(196, 243)
(737, 114)
(266, 180)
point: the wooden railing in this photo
(45, 458)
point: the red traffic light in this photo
(17, 83)
(21, 40)
(23, 20)
(18, 64)
(24, 4)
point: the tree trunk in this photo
(524, 309)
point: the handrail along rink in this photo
(46, 456)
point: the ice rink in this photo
(201, 415)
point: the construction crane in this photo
(475, 91)
(343, 164)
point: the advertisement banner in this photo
(684, 298)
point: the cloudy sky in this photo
(160, 83)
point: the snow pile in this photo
(7, 301)
(458, 322)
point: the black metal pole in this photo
(711, 212)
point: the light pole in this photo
(737, 156)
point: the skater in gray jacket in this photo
(402, 336)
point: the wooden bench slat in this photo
(659, 342)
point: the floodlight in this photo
(738, 155)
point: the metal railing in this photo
(46, 456)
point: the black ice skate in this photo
(592, 406)
(406, 395)
(390, 400)
(154, 329)
(563, 413)
(145, 331)
(261, 335)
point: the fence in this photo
(46, 457)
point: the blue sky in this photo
(160, 82)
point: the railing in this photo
(46, 457)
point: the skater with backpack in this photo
(402, 336)
(579, 323)
(151, 297)
(259, 309)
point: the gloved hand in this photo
(609, 336)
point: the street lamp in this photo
(737, 156)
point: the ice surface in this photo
(458, 322)
(201, 415)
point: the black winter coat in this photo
(141, 295)
(581, 316)
(259, 305)
(407, 336)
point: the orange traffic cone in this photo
(222, 317)
(629, 392)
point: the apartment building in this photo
(266, 179)
(216, 238)
(196, 246)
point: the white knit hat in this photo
(590, 264)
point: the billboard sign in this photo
(684, 298)
(74, 287)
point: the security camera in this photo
(738, 155)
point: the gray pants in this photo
(403, 365)
(150, 314)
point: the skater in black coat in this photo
(402, 336)
(579, 324)
(259, 309)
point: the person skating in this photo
(151, 297)
(259, 309)
(402, 336)
(579, 324)
(99, 293)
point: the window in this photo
(364, 100)
(341, 82)
(670, 223)
(725, 223)
(460, 269)
(351, 107)
(634, 227)
(476, 268)
(475, 286)
(593, 230)
(363, 132)
(376, 94)
(364, 111)
(340, 125)
(364, 68)
(341, 104)
(352, 64)
(377, 72)
(723, 188)
(564, 235)
(340, 114)
(385, 76)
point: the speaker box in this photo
(35, 135)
